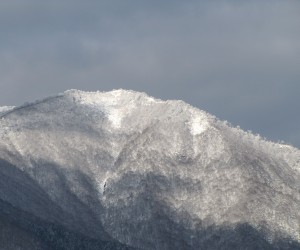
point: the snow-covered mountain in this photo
(122, 170)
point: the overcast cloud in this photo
(239, 60)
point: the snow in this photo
(110, 103)
(199, 123)
(5, 109)
(105, 103)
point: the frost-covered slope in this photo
(5, 109)
(126, 169)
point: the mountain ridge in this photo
(5, 110)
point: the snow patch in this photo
(5, 109)
(198, 123)
(115, 104)
(115, 116)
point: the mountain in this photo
(122, 170)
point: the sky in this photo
(238, 60)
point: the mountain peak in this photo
(120, 103)
(94, 96)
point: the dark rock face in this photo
(121, 170)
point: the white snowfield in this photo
(140, 168)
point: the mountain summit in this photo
(122, 170)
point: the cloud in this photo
(236, 59)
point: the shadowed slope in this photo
(31, 220)
(23, 230)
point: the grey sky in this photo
(239, 60)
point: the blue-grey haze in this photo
(238, 60)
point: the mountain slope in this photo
(126, 169)
(5, 109)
